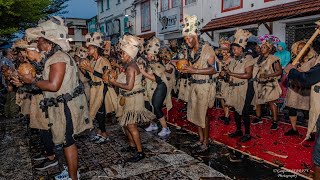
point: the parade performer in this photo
(131, 91)
(98, 90)
(81, 54)
(241, 91)
(157, 86)
(64, 101)
(298, 97)
(266, 74)
(223, 82)
(203, 84)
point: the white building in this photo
(290, 20)
(77, 29)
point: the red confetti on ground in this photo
(263, 139)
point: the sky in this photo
(81, 9)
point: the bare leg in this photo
(135, 135)
(206, 132)
(130, 138)
(274, 110)
(316, 173)
(293, 120)
(71, 155)
(258, 110)
(201, 134)
(163, 122)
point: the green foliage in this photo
(17, 15)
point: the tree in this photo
(17, 15)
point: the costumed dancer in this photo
(131, 91)
(241, 92)
(203, 85)
(157, 86)
(166, 56)
(298, 97)
(95, 69)
(266, 74)
(81, 54)
(223, 81)
(307, 79)
(64, 101)
(38, 120)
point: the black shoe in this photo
(291, 132)
(129, 149)
(39, 157)
(312, 137)
(184, 109)
(137, 157)
(274, 126)
(226, 121)
(245, 138)
(235, 158)
(46, 164)
(256, 121)
(222, 118)
(237, 133)
(185, 116)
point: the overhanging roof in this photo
(289, 10)
(147, 36)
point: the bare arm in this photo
(56, 76)
(246, 75)
(278, 70)
(130, 76)
(205, 71)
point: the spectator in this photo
(283, 54)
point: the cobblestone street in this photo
(163, 161)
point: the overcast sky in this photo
(81, 9)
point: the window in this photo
(145, 16)
(101, 6)
(190, 1)
(70, 31)
(108, 4)
(230, 34)
(229, 5)
(84, 31)
(164, 5)
(175, 3)
(102, 29)
(118, 2)
(84, 44)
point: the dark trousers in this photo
(46, 139)
(245, 112)
(101, 114)
(69, 140)
(158, 98)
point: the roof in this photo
(289, 10)
(147, 35)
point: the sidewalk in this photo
(163, 161)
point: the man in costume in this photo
(203, 85)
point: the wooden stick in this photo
(313, 37)
(275, 154)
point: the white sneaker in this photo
(64, 175)
(152, 127)
(164, 132)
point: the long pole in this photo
(313, 37)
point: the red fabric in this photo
(263, 139)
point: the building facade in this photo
(92, 24)
(77, 29)
(164, 18)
